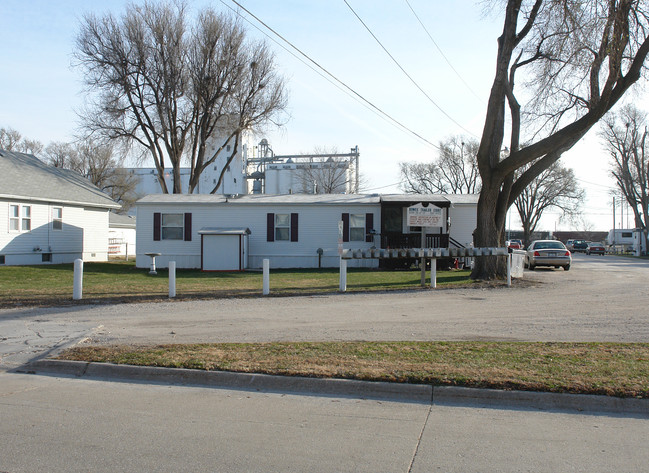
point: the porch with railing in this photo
(413, 240)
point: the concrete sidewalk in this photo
(69, 424)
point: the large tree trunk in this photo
(177, 182)
(489, 233)
(611, 45)
(527, 235)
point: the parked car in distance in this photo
(579, 245)
(595, 249)
(514, 244)
(569, 244)
(548, 253)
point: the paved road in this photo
(599, 299)
(66, 424)
(80, 425)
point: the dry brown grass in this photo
(595, 368)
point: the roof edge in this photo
(59, 201)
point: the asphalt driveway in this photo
(599, 299)
(79, 424)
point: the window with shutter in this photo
(294, 227)
(270, 227)
(282, 227)
(345, 219)
(357, 227)
(188, 227)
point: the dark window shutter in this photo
(270, 227)
(369, 226)
(294, 227)
(157, 223)
(188, 227)
(345, 227)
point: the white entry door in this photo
(221, 253)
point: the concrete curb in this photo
(442, 395)
(248, 381)
(540, 400)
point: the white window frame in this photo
(14, 218)
(356, 228)
(282, 228)
(57, 222)
(24, 218)
(164, 235)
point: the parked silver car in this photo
(548, 253)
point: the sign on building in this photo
(420, 215)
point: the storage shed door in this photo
(221, 253)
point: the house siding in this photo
(95, 235)
(464, 221)
(80, 227)
(317, 228)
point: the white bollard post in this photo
(266, 283)
(509, 270)
(433, 273)
(343, 275)
(77, 291)
(172, 279)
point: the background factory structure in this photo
(256, 169)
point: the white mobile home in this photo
(51, 215)
(632, 238)
(217, 232)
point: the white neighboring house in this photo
(51, 215)
(121, 235)
(205, 231)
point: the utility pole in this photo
(613, 242)
(621, 213)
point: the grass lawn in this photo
(614, 369)
(120, 281)
(594, 368)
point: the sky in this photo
(438, 89)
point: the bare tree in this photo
(12, 140)
(325, 176)
(555, 187)
(455, 171)
(60, 154)
(625, 137)
(580, 58)
(324, 171)
(97, 163)
(171, 86)
(421, 178)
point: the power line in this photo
(596, 184)
(442, 53)
(367, 103)
(404, 71)
(383, 187)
